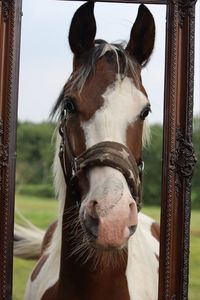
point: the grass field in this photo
(42, 211)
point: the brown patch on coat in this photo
(48, 236)
(51, 293)
(38, 267)
(134, 133)
(155, 230)
(156, 255)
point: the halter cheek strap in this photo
(107, 153)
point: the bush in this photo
(35, 153)
(37, 190)
(195, 198)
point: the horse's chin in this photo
(100, 248)
(108, 257)
(110, 248)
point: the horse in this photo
(101, 246)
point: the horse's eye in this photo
(145, 112)
(69, 106)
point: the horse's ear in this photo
(83, 29)
(141, 43)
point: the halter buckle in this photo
(74, 165)
(141, 166)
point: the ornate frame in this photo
(178, 152)
(10, 27)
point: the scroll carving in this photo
(1, 129)
(3, 153)
(5, 9)
(183, 160)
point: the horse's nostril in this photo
(92, 225)
(132, 229)
(93, 209)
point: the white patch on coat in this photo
(142, 268)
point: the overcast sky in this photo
(46, 60)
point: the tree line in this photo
(35, 151)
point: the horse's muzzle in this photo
(109, 213)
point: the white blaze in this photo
(123, 103)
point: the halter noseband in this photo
(107, 153)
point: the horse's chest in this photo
(113, 289)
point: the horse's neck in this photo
(83, 281)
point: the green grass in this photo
(40, 211)
(152, 211)
(43, 211)
(21, 270)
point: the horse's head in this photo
(104, 105)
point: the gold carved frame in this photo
(178, 153)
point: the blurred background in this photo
(46, 64)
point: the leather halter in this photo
(106, 153)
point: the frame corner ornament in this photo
(5, 9)
(183, 160)
(185, 8)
